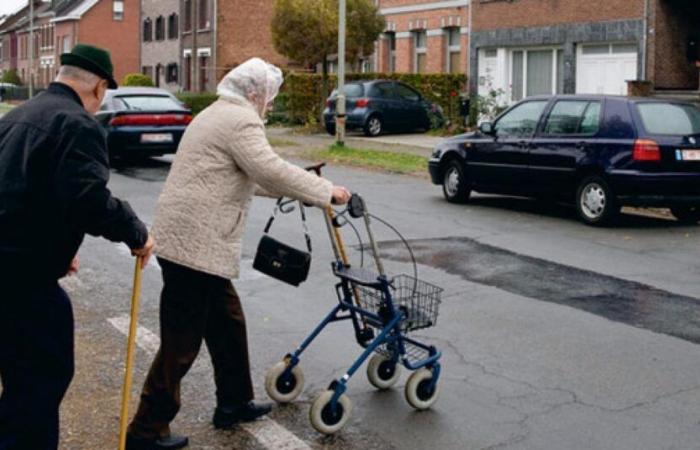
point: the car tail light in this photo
(646, 150)
(151, 120)
(362, 103)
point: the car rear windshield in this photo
(670, 118)
(146, 103)
(351, 91)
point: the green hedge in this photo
(303, 100)
(138, 79)
(197, 101)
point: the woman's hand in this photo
(340, 195)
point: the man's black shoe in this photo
(171, 442)
(226, 416)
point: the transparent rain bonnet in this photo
(255, 80)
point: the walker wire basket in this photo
(418, 300)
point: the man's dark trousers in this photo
(36, 363)
(194, 306)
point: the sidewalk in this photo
(416, 144)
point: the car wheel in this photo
(595, 201)
(455, 185)
(686, 214)
(330, 129)
(374, 126)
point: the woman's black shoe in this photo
(227, 416)
(171, 442)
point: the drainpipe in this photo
(645, 40)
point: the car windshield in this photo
(146, 103)
(670, 118)
(351, 91)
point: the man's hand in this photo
(340, 195)
(145, 252)
(74, 267)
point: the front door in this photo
(500, 164)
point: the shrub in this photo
(11, 76)
(302, 92)
(197, 101)
(138, 79)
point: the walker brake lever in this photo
(287, 206)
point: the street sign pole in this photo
(340, 106)
(31, 48)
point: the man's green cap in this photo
(92, 59)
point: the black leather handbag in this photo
(279, 260)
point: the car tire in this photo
(686, 214)
(373, 126)
(455, 185)
(330, 129)
(596, 203)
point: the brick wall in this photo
(121, 38)
(669, 66)
(243, 32)
(434, 21)
(497, 14)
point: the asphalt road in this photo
(554, 335)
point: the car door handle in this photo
(582, 145)
(525, 144)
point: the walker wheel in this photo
(418, 391)
(322, 416)
(382, 372)
(284, 388)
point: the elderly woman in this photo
(223, 159)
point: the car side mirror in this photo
(487, 128)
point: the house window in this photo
(148, 71)
(187, 72)
(420, 58)
(160, 28)
(147, 30)
(188, 15)
(67, 44)
(392, 52)
(454, 50)
(171, 73)
(203, 73)
(203, 14)
(118, 9)
(173, 26)
(536, 72)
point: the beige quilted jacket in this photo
(223, 158)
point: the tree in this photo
(10, 76)
(306, 31)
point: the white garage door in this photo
(604, 68)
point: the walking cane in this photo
(135, 296)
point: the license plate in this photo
(688, 155)
(156, 138)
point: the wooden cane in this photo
(131, 343)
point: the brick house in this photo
(160, 42)
(530, 47)
(423, 36)
(110, 24)
(198, 44)
(59, 25)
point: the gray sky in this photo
(8, 6)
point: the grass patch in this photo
(385, 160)
(5, 108)
(281, 143)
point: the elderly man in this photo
(53, 176)
(223, 159)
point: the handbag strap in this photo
(302, 210)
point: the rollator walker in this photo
(383, 311)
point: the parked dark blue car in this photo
(381, 105)
(601, 152)
(142, 122)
